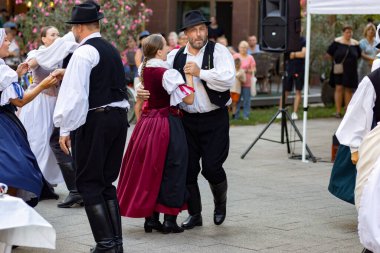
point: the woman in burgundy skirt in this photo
(153, 174)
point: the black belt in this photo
(108, 109)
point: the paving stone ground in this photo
(275, 204)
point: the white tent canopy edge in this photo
(329, 7)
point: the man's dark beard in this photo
(197, 47)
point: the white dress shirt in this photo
(220, 78)
(358, 119)
(72, 103)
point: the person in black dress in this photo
(344, 50)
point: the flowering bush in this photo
(122, 17)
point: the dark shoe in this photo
(74, 198)
(194, 207)
(170, 225)
(192, 221)
(68, 172)
(114, 212)
(48, 191)
(366, 251)
(152, 222)
(220, 200)
(101, 226)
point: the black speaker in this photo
(280, 25)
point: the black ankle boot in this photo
(220, 200)
(194, 208)
(153, 222)
(101, 227)
(74, 198)
(170, 225)
(48, 191)
(366, 251)
(114, 212)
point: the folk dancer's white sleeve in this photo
(222, 76)
(358, 119)
(176, 87)
(72, 102)
(52, 56)
(7, 76)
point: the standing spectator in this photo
(13, 60)
(253, 46)
(139, 54)
(344, 50)
(223, 40)
(296, 72)
(248, 64)
(369, 50)
(173, 41)
(214, 30)
(236, 88)
(3, 17)
(129, 56)
(182, 39)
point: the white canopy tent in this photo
(329, 7)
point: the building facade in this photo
(238, 18)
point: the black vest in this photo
(107, 81)
(375, 80)
(218, 98)
(66, 60)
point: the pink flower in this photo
(34, 30)
(118, 32)
(105, 20)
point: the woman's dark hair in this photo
(347, 27)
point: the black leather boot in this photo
(153, 222)
(114, 212)
(194, 208)
(366, 251)
(101, 227)
(74, 198)
(220, 200)
(170, 225)
(48, 191)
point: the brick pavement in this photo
(275, 204)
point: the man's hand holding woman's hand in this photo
(58, 73)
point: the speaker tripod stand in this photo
(285, 116)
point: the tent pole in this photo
(306, 84)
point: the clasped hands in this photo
(191, 68)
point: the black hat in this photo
(85, 13)
(193, 18)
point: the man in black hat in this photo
(92, 102)
(206, 120)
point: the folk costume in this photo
(18, 166)
(38, 114)
(153, 173)
(206, 121)
(37, 118)
(355, 131)
(92, 103)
